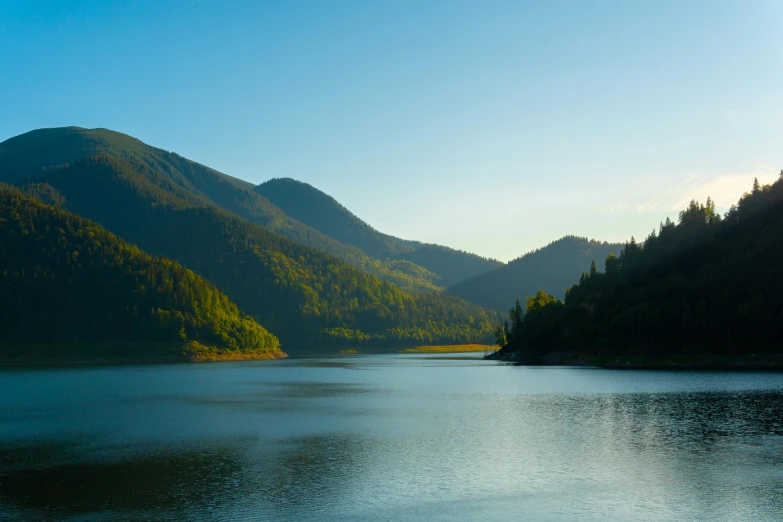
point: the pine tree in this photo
(516, 316)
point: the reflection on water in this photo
(170, 483)
(411, 437)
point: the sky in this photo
(490, 126)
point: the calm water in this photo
(404, 437)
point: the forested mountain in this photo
(316, 209)
(25, 157)
(322, 212)
(710, 284)
(69, 286)
(552, 268)
(307, 298)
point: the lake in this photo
(395, 437)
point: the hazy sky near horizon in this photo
(494, 127)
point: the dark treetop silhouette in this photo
(709, 284)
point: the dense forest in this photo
(552, 268)
(322, 212)
(709, 284)
(70, 285)
(24, 157)
(307, 298)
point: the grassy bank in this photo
(453, 348)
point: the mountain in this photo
(26, 156)
(72, 288)
(322, 212)
(707, 285)
(552, 268)
(316, 209)
(310, 300)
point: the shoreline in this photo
(75, 360)
(760, 362)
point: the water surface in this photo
(398, 437)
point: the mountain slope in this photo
(309, 205)
(307, 298)
(708, 285)
(322, 212)
(552, 268)
(27, 156)
(67, 284)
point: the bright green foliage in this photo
(307, 298)
(65, 279)
(552, 268)
(541, 299)
(709, 284)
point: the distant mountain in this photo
(453, 266)
(27, 156)
(709, 285)
(322, 212)
(71, 288)
(552, 268)
(318, 210)
(310, 300)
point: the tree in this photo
(516, 316)
(539, 301)
(500, 336)
(593, 269)
(611, 264)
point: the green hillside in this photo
(552, 268)
(71, 288)
(707, 285)
(309, 205)
(312, 301)
(322, 212)
(27, 156)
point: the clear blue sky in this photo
(490, 126)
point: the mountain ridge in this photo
(28, 155)
(552, 268)
(321, 211)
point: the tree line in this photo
(707, 284)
